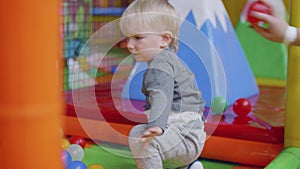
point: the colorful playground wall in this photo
(82, 18)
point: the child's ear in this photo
(166, 39)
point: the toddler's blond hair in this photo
(150, 16)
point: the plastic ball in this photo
(113, 69)
(65, 143)
(76, 152)
(219, 105)
(66, 158)
(257, 6)
(77, 165)
(95, 166)
(242, 107)
(78, 140)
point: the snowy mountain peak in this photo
(202, 11)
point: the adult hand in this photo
(276, 26)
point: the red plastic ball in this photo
(78, 140)
(242, 107)
(257, 6)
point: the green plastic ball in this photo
(218, 105)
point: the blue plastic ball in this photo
(66, 158)
(76, 165)
(113, 69)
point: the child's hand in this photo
(148, 135)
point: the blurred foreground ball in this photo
(78, 140)
(65, 144)
(77, 165)
(66, 158)
(95, 166)
(76, 152)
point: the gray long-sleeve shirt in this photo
(169, 86)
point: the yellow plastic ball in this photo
(65, 143)
(95, 166)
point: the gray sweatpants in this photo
(181, 143)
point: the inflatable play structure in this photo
(32, 100)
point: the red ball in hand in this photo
(78, 140)
(242, 107)
(257, 6)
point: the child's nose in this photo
(130, 44)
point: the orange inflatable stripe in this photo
(97, 130)
(241, 151)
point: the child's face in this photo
(145, 46)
